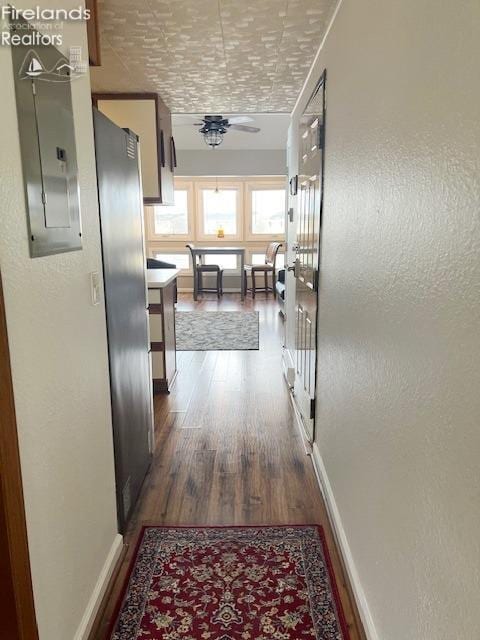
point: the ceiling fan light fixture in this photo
(213, 138)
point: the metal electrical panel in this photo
(47, 141)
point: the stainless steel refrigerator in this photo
(121, 220)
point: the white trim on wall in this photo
(86, 624)
(342, 541)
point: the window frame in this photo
(154, 248)
(180, 185)
(216, 259)
(262, 185)
(236, 185)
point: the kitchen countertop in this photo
(160, 278)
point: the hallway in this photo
(228, 451)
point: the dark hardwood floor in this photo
(228, 450)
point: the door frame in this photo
(14, 555)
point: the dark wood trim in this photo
(151, 201)
(155, 308)
(93, 34)
(160, 154)
(125, 96)
(157, 346)
(160, 385)
(13, 503)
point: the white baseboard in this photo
(307, 443)
(288, 367)
(341, 537)
(93, 605)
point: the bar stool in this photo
(268, 267)
(199, 269)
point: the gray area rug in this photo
(216, 330)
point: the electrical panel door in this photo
(47, 140)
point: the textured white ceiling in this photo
(205, 56)
(272, 134)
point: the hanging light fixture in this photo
(213, 138)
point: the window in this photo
(268, 211)
(219, 211)
(259, 258)
(265, 209)
(224, 262)
(219, 206)
(180, 260)
(172, 220)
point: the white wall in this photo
(399, 333)
(60, 375)
(231, 162)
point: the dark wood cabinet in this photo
(167, 154)
(148, 116)
(162, 285)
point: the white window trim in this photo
(253, 243)
(154, 248)
(256, 185)
(236, 185)
(186, 185)
(228, 271)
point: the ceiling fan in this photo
(213, 128)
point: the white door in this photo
(307, 188)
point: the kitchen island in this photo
(162, 287)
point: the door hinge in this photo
(294, 185)
(312, 408)
(321, 136)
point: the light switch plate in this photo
(95, 288)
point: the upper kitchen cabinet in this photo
(147, 116)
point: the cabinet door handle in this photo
(162, 148)
(173, 153)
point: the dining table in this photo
(202, 251)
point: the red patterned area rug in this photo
(230, 583)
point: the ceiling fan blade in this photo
(239, 119)
(242, 127)
(188, 124)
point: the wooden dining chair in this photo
(266, 269)
(199, 269)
